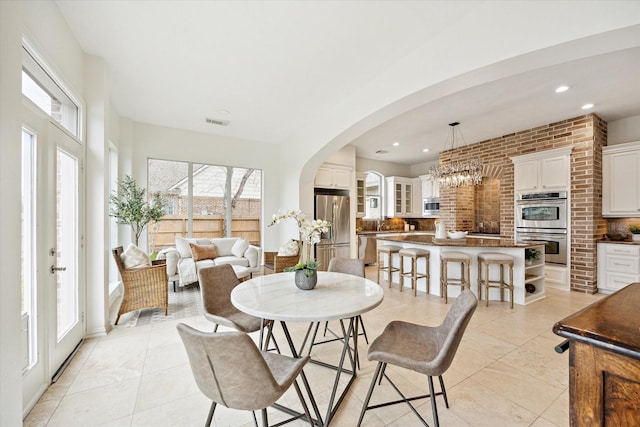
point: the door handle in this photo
(53, 269)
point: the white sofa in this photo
(231, 250)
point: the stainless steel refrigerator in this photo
(333, 207)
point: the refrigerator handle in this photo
(334, 214)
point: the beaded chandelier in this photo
(457, 173)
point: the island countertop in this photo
(470, 242)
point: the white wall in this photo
(623, 130)
(10, 117)
(385, 168)
(97, 203)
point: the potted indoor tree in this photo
(130, 206)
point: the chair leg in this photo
(211, 411)
(444, 392)
(384, 368)
(364, 332)
(255, 420)
(368, 397)
(511, 286)
(265, 421)
(215, 327)
(434, 405)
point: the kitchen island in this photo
(523, 272)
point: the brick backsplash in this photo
(587, 135)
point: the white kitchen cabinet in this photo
(333, 176)
(621, 180)
(400, 197)
(430, 188)
(618, 266)
(542, 171)
(360, 195)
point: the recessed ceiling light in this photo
(426, 150)
(587, 106)
(395, 144)
(562, 88)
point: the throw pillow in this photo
(201, 252)
(182, 245)
(289, 249)
(239, 248)
(134, 257)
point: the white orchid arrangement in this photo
(309, 233)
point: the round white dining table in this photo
(337, 296)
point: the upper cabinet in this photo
(542, 171)
(430, 188)
(361, 180)
(333, 176)
(400, 197)
(621, 180)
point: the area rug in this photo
(185, 302)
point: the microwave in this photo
(431, 207)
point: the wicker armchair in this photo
(274, 263)
(145, 287)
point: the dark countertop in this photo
(612, 323)
(470, 242)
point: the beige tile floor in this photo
(506, 373)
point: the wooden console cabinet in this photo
(604, 360)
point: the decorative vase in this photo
(635, 237)
(306, 283)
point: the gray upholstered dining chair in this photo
(216, 284)
(348, 266)
(423, 349)
(230, 370)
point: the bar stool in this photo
(390, 269)
(464, 280)
(502, 260)
(414, 254)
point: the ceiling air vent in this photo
(217, 122)
(381, 152)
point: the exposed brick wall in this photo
(587, 135)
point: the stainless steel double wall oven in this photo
(544, 217)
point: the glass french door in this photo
(52, 254)
(66, 300)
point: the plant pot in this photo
(635, 237)
(306, 283)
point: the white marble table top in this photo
(336, 296)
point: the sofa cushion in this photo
(182, 245)
(289, 249)
(134, 257)
(201, 252)
(224, 245)
(239, 247)
(233, 260)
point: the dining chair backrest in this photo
(347, 265)
(229, 369)
(449, 333)
(216, 284)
